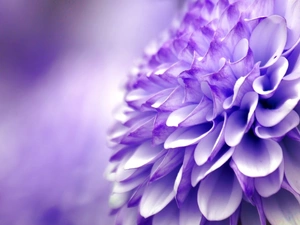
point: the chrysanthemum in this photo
(209, 133)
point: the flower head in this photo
(210, 128)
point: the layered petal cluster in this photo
(209, 132)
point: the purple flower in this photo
(209, 131)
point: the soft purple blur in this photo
(62, 64)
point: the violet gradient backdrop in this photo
(61, 67)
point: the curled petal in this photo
(293, 72)
(211, 142)
(280, 129)
(266, 85)
(268, 47)
(179, 115)
(273, 110)
(239, 121)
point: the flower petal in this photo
(172, 159)
(199, 172)
(268, 47)
(189, 213)
(256, 157)
(143, 156)
(168, 215)
(211, 142)
(179, 115)
(249, 214)
(292, 162)
(239, 121)
(270, 184)
(219, 195)
(280, 129)
(282, 208)
(157, 195)
(276, 108)
(267, 84)
(187, 136)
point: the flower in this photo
(209, 131)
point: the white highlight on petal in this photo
(187, 136)
(240, 50)
(179, 115)
(157, 195)
(144, 154)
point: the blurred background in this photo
(62, 63)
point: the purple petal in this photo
(168, 215)
(219, 195)
(249, 214)
(256, 157)
(279, 130)
(223, 222)
(189, 213)
(241, 87)
(282, 208)
(172, 159)
(279, 105)
(211, 142)
(117, 200)
(267, 84)
(269, 185)
(292, 162)
(157, 195)
(198, 115)
(292, 19)
(260, 8)
(129, 185)
(143, 156)
(239, 121)
(268, 47)
(187, 136)
(199, 172)
(293, 72)
(182, 184)
(179, 115)
(246, 183)
(127, 216)
(240, 50)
